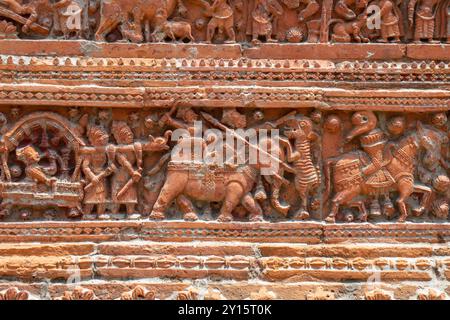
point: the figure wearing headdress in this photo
(421, 17)
(95, 169)
(125, 180)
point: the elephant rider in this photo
(186, 120)
(373, 141)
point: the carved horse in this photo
(349, 183)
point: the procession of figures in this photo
(228, 21)
(331, 166)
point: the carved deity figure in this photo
(125, 180)
(96, 171)
(33, 171)
(222, 18)
(421, 17)
(262, 18)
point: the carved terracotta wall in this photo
(93, 95)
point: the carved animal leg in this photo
(425, 201)
(148, 36)
(191, 37)
(362, 210)
(275, 198)
(340, 198)
(101, 209)
(234, 194)
(302, 213)
(405, 188)
(253, 207)
(171, 35)
(115, 208)
(4, 210)
(88, 208)
(74, 213)
(137, 18)
(231, 35)
(168, 193)
(105, 27)
(210, 30)
(185, 205)
(131, 212)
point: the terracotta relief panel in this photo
(228, 21)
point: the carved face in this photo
(15, 112)
(396, 125)
(190, 116)
(439, 119)
(332, 124)
(301, 129)
(103, 115)
(97, 136)
(73, 112)
(28, 155)
(359, 119)
(122, 133)
(2, 119)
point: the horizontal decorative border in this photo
(226, 96)
(128, 71)
(264, 232)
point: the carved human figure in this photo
(72, 18)
(33, 171)
(421, 17)
(39, 12)
(97, 166)
(5, 171)
(124, 181)
(440, 204)
(354, 176)
(391, 18)
(222, 18)
(373, 142)
(262, 18)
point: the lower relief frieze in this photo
(223, 204)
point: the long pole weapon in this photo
(221, 126)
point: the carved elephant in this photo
(231, 187)
(143, 12)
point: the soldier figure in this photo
(93, 166)
(421, 15)
(373, 142)
(124, 181)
